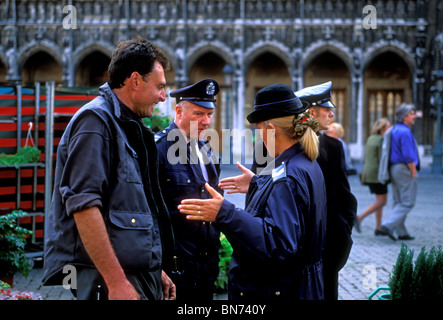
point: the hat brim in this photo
(204, 104)
(268, 114)
(327, 104)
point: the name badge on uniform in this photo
(279, 172)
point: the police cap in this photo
(275, 101)
(201, 93)
(319, 95)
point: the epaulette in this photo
(160, 134)
(279, 172)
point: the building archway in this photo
(41, 67)
(387, 82)
(210, 65)
(92, 70)
(3, 74)
(266, 69)
(327, 66)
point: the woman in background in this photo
(370, 173)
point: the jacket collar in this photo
(282, 158)
(106, 92)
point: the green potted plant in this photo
(158, 121)
(12, 247)
(225, 253)
(422, 280)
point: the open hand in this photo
(202, 209)
(237, 184)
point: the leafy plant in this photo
(225, 253)
(158, 121)
(12, 245)
(24, 155)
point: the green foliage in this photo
(402, 274)
(158, 121)
(225, 253)
(24, 155)
(422, 281)
(12, 245)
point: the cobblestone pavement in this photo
(372, 257)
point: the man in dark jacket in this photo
(341, 203)
(197, 242)
(107, 217)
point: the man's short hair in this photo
(402, 111)
(136, 55)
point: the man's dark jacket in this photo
(98, 165)
(342, 207)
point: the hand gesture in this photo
(237, 184)
(199, 209)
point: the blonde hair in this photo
(301, 127)
(338, 129)
(379, 125)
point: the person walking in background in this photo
(404, 163)
(369, 176)
(341, 203)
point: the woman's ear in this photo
(272, 130)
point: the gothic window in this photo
(382, 103)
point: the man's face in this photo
(187, 112)
(150, 92)
(409, 120)
(323, 115)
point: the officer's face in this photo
(193, 119)
(323, 115)
(148, 91)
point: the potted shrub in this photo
(12, 247)
(420, 281)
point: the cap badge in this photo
(210, 89)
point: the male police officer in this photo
(341, 203)
(186, 164)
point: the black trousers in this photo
(330, 284)
(91, 286)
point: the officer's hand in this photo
(237, 184)
(205, 210)
(169, 290)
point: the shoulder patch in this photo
(279, 172)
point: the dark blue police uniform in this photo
(197, 243)
(342, 204)
(278, 239)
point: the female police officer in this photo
(278, 239)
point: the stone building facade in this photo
(376, 53)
